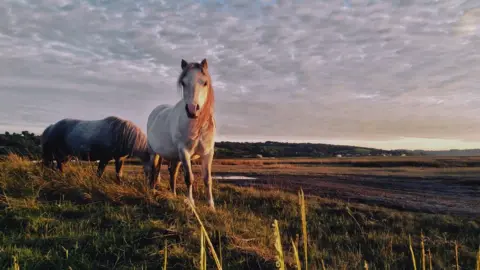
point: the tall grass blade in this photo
(212, 249)
(280, 263)
(456, 255)
(430, 260)
(203, 256)
(165, 256)
(16, 266)
(413, 254)
(220, 248)
(295, 254)
(303, 213)
(365, 265)
(422, 244)
(323, 265)
(478, 259)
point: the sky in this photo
(379, 73)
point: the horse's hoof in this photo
(212, 206)
(190, 202)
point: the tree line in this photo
(27, 144)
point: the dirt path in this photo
(433, 195)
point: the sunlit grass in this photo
(50, 221)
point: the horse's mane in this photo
(127, 137)
(205, 119)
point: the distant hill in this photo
(280, 149)
(28, 144)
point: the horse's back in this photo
(61, 128)
(86, 134)
(159, 110)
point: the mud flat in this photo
(449, 195)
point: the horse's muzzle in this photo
(189, 114)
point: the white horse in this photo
(185, 131)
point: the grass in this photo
(50, 221)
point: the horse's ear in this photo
(204, 64)
(184, 64)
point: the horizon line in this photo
(386, 145)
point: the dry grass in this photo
(379, 166)
(50, 221)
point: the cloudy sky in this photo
(382, 73)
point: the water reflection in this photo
(234, 177)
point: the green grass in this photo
(77, 221)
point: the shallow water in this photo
(234, 177)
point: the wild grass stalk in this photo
(478, 259)
(16, 266)
(430, 260)
(422, 244)
(212, 249)
(413, 254)
(220, 248)
(295, 253)
(456, 256)
(165, 256)
(280, 263)
(303, 213)
(203, 255)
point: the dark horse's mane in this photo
(127, 138)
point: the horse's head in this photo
(45, 134)
(144, 157)
(195, 82)
(47, 151)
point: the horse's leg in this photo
(153, 173)
(101, 167)
(207, 177)
(187, 172)
(157, 170)
(60, 164)
(173, 167)
(47, 164)
(119, 169)
(47, 159)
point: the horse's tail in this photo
(128, 138)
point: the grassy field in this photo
(357, 210)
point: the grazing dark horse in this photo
(92, 140)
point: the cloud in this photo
(376, 70)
